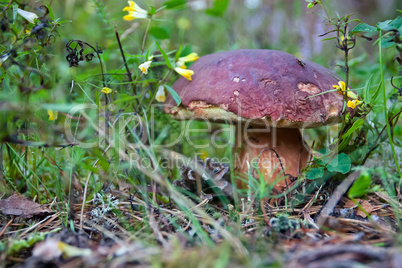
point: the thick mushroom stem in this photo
(263, 146)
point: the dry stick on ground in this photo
(5, 227)
(336, 196)
(313, 257)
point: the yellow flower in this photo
(181, 67)
(144, 66)
(342, 38)
(342, 88)
(190, 57)
(52, 115)
(182, 60)
(29, 16)
(352, 104)
(106, 90)
(184, 72)
(135, 12)
(160, 94)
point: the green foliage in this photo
(219, 7)
(159, 32)
(361, 186)
(116, 142)
(175, 96)
(315, 173)
(174, 3)
(15, 246)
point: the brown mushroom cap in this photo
(266, 85)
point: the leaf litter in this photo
(119, 223)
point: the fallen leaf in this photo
(364, 204)
(19, 205)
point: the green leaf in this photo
(159, 33)
(177, 56)
(174, 94)
(367, 86)
(387, 42)
(315, 173)
(152, 10)
(311, 5)
(340, 163)
(361, 186)
(395, 108)
(375, 95)
(2, 73)
(344, 143)
(329, 38)
(355, 126)
(58, 21)
(218, 8)
(364, 27)
(50, 11)
(125, 98)
(174, 3)
(164, 55)
(62, 107)
(390, 24)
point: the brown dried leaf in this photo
(365, 205)
(19, 205)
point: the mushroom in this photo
(270, 95)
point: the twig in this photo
(336, 196)
(125, 64)
(7, 7)
(5, 227)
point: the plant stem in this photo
(145, 36)
(391, 142)
(125, 64)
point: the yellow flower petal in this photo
(160, 94)
(135, 15)
(342, 88)
(52, 115)
(106, 90)
(130, 6)
(190, 57)
(186, 73)
(353, 103)
(352, 95)
(134, 7)
(134, 11)
(144, 66)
